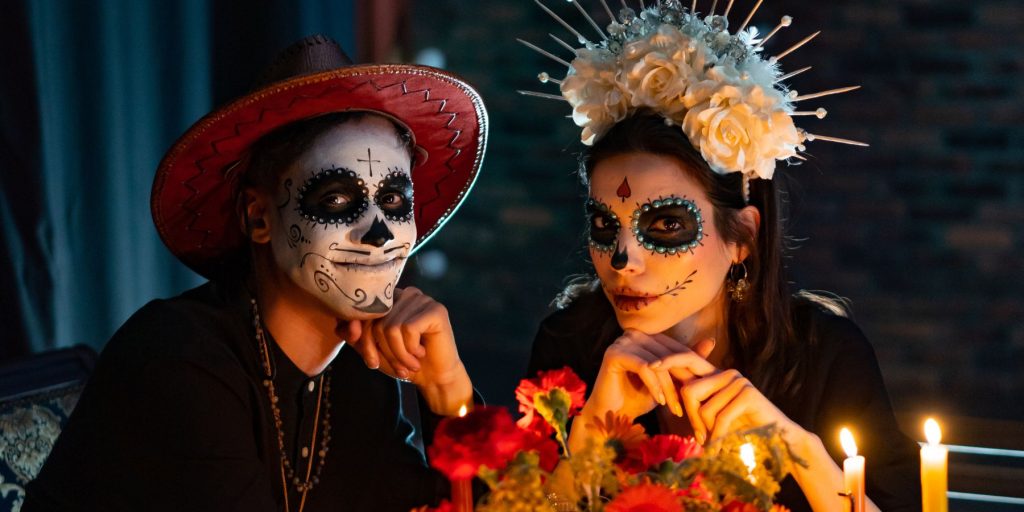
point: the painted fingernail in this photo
(373, 364)
(656, 364)
(700, 437)
(677, 410)
(402, 374)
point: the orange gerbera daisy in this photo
(646, 497)
(618, 432)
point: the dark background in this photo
(922, 231)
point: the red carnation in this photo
(659, 448)
(484, 437)
(546, 449)
(646, 497)
(545, 382)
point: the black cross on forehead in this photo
(369, 160)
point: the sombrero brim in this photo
(193, 193)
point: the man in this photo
(301, 201)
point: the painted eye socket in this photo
(669, 225)
(394, 197)
(333, 196)
(604, 225)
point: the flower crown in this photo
(727, 98)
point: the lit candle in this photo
(462, 490)
(933, 470)
(853, 470)
(749, 460)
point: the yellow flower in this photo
(616, 431)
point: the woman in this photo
(672, 342)
(301, 201)
(689, 326)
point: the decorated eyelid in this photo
(594, 206)
(348, 178)
(670, 202)
(396, 181)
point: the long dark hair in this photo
(761, 331)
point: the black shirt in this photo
(175, 417)
(843, 387)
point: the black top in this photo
(843, 387)
(175, 417)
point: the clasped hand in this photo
(642, 371)
(414, 342)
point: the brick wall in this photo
(923, 231)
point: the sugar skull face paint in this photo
(668, 263)
(343, 233)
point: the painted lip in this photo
(369, 265)
(626, 299)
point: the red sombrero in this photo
(195, 184)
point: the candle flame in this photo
(849, 445)
(463, 410)
(932, 432)
(747, 456)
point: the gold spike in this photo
(713, 6)
(693, 8)
(624, 6)
(819, 113)
(798, 157)
(750, 16)
(608, 10)
(728, 8)
(812, 137)
(543, 52)
(787, 76)
(825, 93)
(567, 26)
(786, 21)
(642, 6)
(793, 48)
(543, 95)
(589, 19)
(563, 43)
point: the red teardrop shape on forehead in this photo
(623, 191)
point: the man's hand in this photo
(414, 342)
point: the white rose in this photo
(597, 100)
(737, 135)
(659, 82)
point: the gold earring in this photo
(738, 284)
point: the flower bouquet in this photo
(527, 465)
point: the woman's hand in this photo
(723, 401)
(415, 342)
(631, 382)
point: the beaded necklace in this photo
(287, 470)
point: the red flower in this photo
(660, 448)
(546, 448)
(646, 497)
(545, 382)
(484, 437)
(698, 491)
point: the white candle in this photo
(853, 470)
(933, 470)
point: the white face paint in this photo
(345, 222)
(674, 265)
